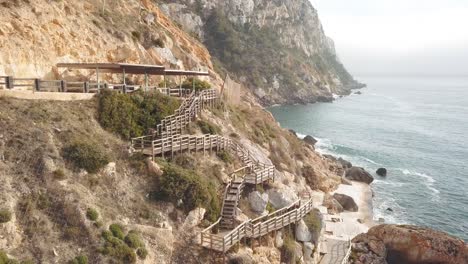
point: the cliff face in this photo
(277, 48)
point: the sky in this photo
(404, 37)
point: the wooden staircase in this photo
(230, 203)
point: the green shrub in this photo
(288, 250)
(106, 235)
(117, 231)
(181, 184)
(142, 253)
(198, 84)
(79, 260)
(208, 128)
(224, 156)
(3, 257)
(59, 174)
(270, 208)
(133, 240)
(314, 222)
(117, 249)
(131, 115)
(85, 155)
(5, 216)
(92, 214)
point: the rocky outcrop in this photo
(302, 232)
(381, 172)
(258, 201)
(347, 202)
(282, 198)
(333, 206)
(250, 32)
(408, 244)
(310, 140)
(359, 174)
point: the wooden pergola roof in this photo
(131, 69)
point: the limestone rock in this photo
(346, 201)
(359, 174)
(381, 172)
(302, 232)
(194, 217)
(280, 198)
(409, 244)
(258, 201)
(308, 250)
(110, 169)
(279, 239)
(333, 206)
(154, 168)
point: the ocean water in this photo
(417, 128)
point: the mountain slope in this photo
(276, 48)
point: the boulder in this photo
(258, 201)
(279, 239)
(359, 174)
(293, 132)
(346, 164)
(194, 218)
(358, 92)
(381, 172)
(302, 232)
(346, 201)
(409, 244)
(308, 250)
(280, 198)
(333, 206)
(310, 140)
(154, 168)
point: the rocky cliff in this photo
(52, 211)
(276, 48)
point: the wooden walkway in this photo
(167, 141)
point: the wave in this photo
(429, 180)
(301, 136)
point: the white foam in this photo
(301, 136)
(429, 181)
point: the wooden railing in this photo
(255, 228)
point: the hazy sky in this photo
(398, 36)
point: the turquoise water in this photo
(417, 128)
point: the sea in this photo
(416, 128)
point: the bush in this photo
(288, 250)
(133, 240)
(181, 184)
(117, 231)
(142, 253)
(198, 84)
(5, 216)
(59, 174)
(79, 260)
(85, 155)
(106, 235)
(208, 128)
(133, 115)
(92, 214)
(314, 222)
(225, 156)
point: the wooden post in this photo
(63, 86)
(97, 77)
(146, 81)
(9, 82)
(37, 84)
(86, 87)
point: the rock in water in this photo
(346, 201)
(346, 164)
(359, 174)
(408, 244)
(310, 140)
(381, 172)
